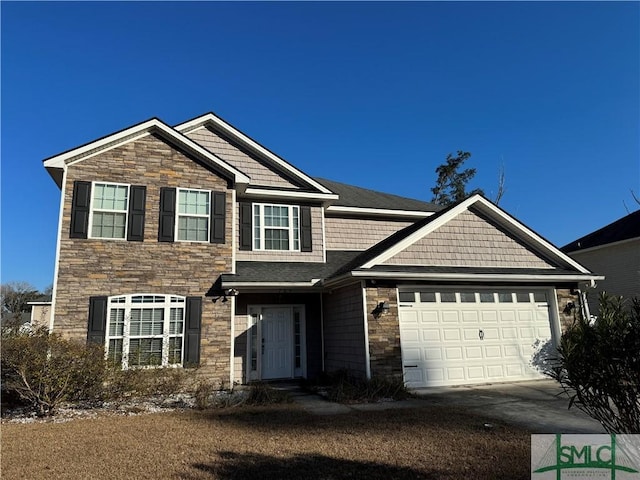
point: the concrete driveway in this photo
(538, 405)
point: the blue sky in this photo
(372, 94)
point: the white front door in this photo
(277, 343)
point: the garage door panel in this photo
(430, 335)
(492, 351)
(475, 373)
(464, 342)
(495, 371)
(453, 353)
(430, 316)
(490, 334)
(455, 374)
(511, 351)
(470, 317)
(451, 334)
(412, 354)
(508, 316)
(489, 316)
(451, 316)
(509, 333)
(473, 353)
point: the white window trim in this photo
(127, 305)
(291, 228)
(92, 210)
(178, 215)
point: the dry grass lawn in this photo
(278, 442)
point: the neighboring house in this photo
(194, 244)
(613, 251)
(40, 315)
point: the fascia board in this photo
(377, 211)
(473, 277)
(263, 285)
(135, 132)
(249, 142)
(263, 192)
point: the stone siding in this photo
(384, 333)
(89, 267)
(469, 240)
(564, 296)
(358, 233)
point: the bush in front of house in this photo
(343, 387)
(41, 370)
(599, 364)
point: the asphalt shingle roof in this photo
(352, 196)
(623, 229)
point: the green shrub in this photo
(343, 387)
(599, 365)
(43, 370)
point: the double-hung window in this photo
(276, 227)
(194, 208)
(109, 207)
(145, 330)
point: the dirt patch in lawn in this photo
(280, 442)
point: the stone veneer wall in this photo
(89, 267)
(384, 333)
(564, 297)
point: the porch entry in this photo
(276, 346)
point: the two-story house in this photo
(196, 245)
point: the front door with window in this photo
(277, 343)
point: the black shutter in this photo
(137, 199)
(80, 209)
(218, 215)
(167, 221)
(305, 229)
(245, 226)
(97, 320)
(192, 331)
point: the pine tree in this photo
(451, 184)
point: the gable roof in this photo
(357, 200)
(213, 121)
(625, 228)
(371, 260)
(57, 164)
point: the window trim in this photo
(127, 304)
(92, 210)
(258, 242)
(178, 215)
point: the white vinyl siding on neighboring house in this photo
(145, 330)
(276, 227)
(193, 215)
(109, 207)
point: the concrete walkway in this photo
(539, 405)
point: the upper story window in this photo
(193, 215)
(145, 330)
(276, 227)
(106, 210)
(109, 206)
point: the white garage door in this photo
(458, 337)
